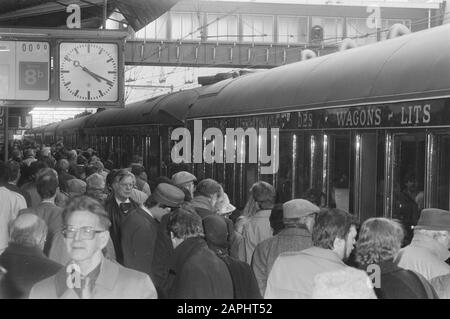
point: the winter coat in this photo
(25, 267)
(292, 274)
(116, 215)
(266, 252)
(254, 231)
(244, 281)
(398, 283)
(425, 256)
(139, 231)
(162, 258)
(441, 285)
(113, 282)
(197, 273)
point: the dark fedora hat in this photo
(434, 219)
(168, 195)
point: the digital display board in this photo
(24, 70)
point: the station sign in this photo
(431, 113)
(25, 70)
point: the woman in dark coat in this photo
(377, 247)
(245, 285)
(197, 273)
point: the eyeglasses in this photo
(127, 185)
(86, 233)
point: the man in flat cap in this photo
(298, 218)
(333, 238)
(429, 247)
(140, 227)
(185, 181)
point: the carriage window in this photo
(301, 145)
(284, 182)
(340, 172)
(408, 181)
(440, 192)
(369, 183)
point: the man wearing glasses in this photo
(118, 206)
(90, 275)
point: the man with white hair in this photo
(89, 275)
(429, 247)
(23, 259)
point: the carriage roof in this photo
(407, 68)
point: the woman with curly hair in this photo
(376, 251)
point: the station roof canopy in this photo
(408, 68)
(52, 13)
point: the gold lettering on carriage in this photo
(416, 114)
(212, 146)
(359, 118)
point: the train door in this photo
(437, 182)
(369, 174)
(286, 167)
(338, 173)
(306, 154)
(405, 177)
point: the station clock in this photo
(88, 71)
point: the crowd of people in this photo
(74, 226)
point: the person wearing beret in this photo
(140, 227)
(428, 250)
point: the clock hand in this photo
(77, 64)
(97, 76)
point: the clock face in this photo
(88, 72)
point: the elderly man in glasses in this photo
(89, 275)
(119, 205)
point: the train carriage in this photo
(369, 127)
(143, 128)
(49, 133)
(71, 131)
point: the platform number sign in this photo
(33, 69)
(33, 76)
(24, 70)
